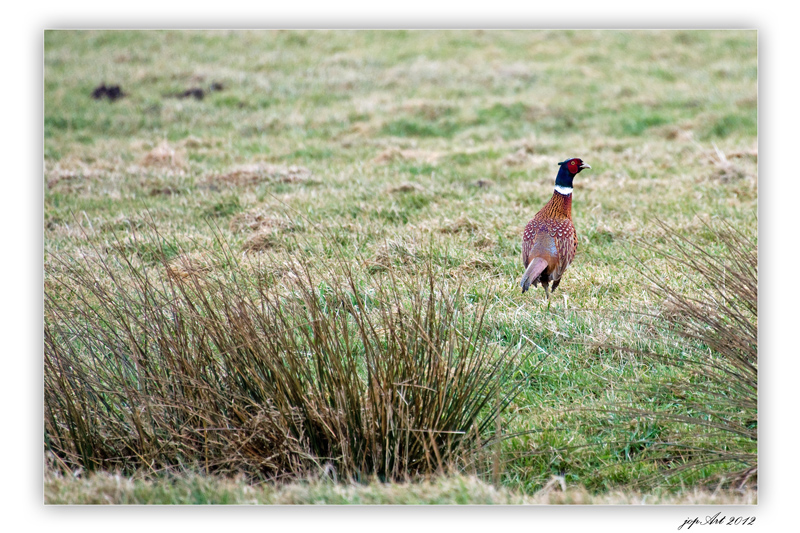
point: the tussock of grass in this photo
(711, 316)
(382, 376)
(256, 173)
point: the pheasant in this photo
(549, 240)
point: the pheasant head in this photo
(567, 172)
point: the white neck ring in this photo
(563, 190)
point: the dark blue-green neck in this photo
(564, 177)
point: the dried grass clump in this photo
(726, 170)
(72, 169)
(66, 170)
(253, 174)
(261, 240)
(394, 153)
(186, 266)
(330, 370)
(520, 157)
(528, 151)
(164, 156)
(259, 219)
(462, 224)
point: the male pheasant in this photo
(549, 241)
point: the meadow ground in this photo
(396, 153)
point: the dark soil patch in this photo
(112, 92)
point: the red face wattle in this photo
(573, 165)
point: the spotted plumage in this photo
(549, 241)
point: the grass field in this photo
(104, 488)
(405, 164)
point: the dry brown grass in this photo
(261, 240)
(463, 224)
(255, 173)
(186, 266)
(260, 219)
(164, 156)
(105, 489)
(212, 369)
(394, 154)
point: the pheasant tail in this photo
(533, 272)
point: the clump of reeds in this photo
(288, 369)
(709, 324)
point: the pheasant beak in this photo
(584, 166)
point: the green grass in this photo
(392, 150)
